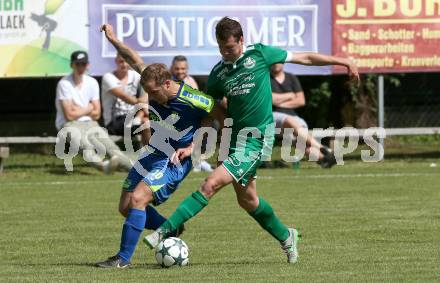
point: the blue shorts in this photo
(162, 176)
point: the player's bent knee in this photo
(208, 188)
(141, 199)
(124, 203)
(290, 122)
(123, 210)
(248, 204)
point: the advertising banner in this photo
(388, 35)
(160, 30)
(38, 36)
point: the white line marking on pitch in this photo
(332, 176)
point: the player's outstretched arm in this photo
(129, 55)
(317, 59)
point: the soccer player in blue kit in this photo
(172, 101)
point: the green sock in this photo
(267, 219)
(188, 208)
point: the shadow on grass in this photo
(207, 264)
(32, 166)
(398, 155)
(85, 264)
(152, 266)
(422, 155)
(82, 169)
(61, 170)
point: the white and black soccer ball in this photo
(172, 252)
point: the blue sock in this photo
(154, 219)
(131, 232)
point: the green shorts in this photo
(245, 156)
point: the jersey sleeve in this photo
(204, 112)
(63, 91)
(109, 82)
(272, 55)
(206, 104)
(200, 102)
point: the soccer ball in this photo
(172, 252)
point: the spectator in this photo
(287, 95)
(120, 91)
(179, 70)
(78, 106)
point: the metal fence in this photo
(412, 110)
(415, 103)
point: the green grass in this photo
(360, 222)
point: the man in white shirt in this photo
(120, 91)
(287, 95)
(78, 106)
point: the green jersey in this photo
(246, 85)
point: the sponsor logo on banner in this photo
(158, 32)
(388, 36)
(37, 37)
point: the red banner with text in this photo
(388, 35)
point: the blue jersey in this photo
(188, 107)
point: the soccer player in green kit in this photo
(243, 77)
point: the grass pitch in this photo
(360, 222)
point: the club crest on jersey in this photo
(249, 63)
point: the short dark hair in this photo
(226, 28)
(179, 58)
(157, 72)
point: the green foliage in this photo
(319, 95)
(369, 87)
(317, 92)
(428, 140)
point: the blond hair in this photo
(156, 72)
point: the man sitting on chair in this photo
(287, 95)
